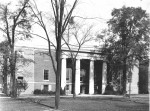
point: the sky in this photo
(98, 9)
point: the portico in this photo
(90, 76)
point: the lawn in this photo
(96, 104)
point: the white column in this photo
(134, 79)
(91, 77)
(104, 76)
(49, 87)
(63, 73)
(77, 77)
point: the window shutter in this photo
(41, 87)
(49, 87)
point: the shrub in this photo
(22, 85)
(51, 93)
(44, 92)
(109, 90)
(37, 91)
(62, 92)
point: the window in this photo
(46, 74)
(45, 87)
(82, 75)
(68, 74)
(19, 77)
(21, 53)
(67, 87)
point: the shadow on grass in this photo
(46, 105)
(120, 99)
(140, 107)
(33, 100)
(67, 100)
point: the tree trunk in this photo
(13, 75)
(58, 59)
(124, 76)
(5, 71)
(74, 74)
(57, 98)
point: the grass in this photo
(95, 104)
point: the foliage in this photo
(4, 47)
(22, 85)
(4, 50)
(62, 92)
(15, 25)
(132, 25)
(17, 22)
(39, 92)
(126, 40)
(109, 90)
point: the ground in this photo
(81, 103)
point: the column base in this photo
(134, 89)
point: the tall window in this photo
(46, 74)
(68, 74)
(82, 75)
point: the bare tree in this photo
(14, 25)
(62, 16)
(79, 36)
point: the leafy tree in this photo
(22, 85)
(127, 39)
(4, 50)
(15, 25)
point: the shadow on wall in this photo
(143, 78)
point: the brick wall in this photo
(43, 61)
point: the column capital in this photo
(104, 61)
(92, 59)
(78, 58)
(63, 56)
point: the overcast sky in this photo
(92, 9)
